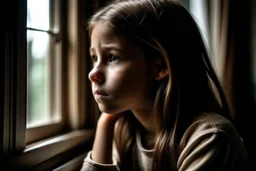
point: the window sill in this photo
(38, 153)
(74, 164)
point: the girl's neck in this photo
(147, 139)
(146, 120)
(147, 128)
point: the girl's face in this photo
(121, 78)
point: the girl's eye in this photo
(113, 58)
(94, 58)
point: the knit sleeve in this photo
(90, 165)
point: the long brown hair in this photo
(166, 30)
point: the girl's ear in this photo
(162, 74)
(160, 70)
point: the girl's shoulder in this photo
(212, 122)
(206, 124)
(212, 142)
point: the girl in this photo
(162, 105)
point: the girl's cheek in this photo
(116, 84)
(113, 83)
(120, 77)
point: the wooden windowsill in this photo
(40, 152)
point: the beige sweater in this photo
(210, 143)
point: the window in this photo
(43, 69)
(55, 71)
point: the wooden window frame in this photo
(37, 133)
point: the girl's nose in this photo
(96, 76)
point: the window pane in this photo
(37, 77)
(38, 14)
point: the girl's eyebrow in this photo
(92, 50)
(108, 47)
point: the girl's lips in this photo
(100, 97)
(101, 93)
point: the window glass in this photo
(37, 77)
(38, 14)
(198, 10)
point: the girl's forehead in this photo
(104, 34)
(103, 38)
(102, 28)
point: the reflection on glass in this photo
(37, 76)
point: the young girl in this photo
(162, 105)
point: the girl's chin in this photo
(113, 110)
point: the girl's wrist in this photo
(106, 121)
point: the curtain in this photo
(229, 28)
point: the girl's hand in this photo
(102, 146)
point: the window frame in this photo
(14, 86)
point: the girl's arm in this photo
(102, 147)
